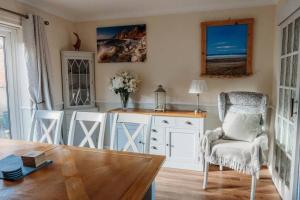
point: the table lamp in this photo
(198, 87)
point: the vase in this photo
(124, 99)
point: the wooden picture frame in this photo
(236, 60)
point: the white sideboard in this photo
(174, 134)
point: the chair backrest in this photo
(143, 122)
(243, 102)
(46, 126)
(81, 117)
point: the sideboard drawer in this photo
(157, 136)
(164, 121)
(157, 149)
(188, 123)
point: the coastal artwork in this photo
(121, 44)
(227, 51)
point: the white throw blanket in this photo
(238, 155)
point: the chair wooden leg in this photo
(221, 167)
(206, 165)
(253, 187)
(257, 175)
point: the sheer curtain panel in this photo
(38, 61)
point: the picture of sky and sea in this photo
(121, 44)
(226, 52)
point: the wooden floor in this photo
(227, 184)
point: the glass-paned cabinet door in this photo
(287, 106)
(78, 79)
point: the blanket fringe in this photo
(237, 166)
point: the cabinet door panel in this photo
(182, 145)
(78, 79)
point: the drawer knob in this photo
(165, 121)
(188, 123)
(141, 142)
(154, 130)
(155, 139)
(153, 147)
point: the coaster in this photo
(11, 165)
(12, 173)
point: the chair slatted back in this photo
(44, 123)
(143, 122)
(99, 119)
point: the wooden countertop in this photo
(81, 173)
(169, 113)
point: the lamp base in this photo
(198, 110)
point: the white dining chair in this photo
(99, 119)
(143, 123)
(46, 126)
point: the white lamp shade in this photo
(198, 86)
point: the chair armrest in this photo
(261, 141)
(260, 150)
(209, 137)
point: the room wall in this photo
(173, 57)
(59, 34)
(173, 60)
(59, 38)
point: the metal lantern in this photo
(160, 99)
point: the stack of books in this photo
(33, 159)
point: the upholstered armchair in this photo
(229, 145)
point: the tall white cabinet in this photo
(78, 79)
(78, 85)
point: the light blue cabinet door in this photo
(122, 140)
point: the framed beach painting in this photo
(227, 48)
(117, 44)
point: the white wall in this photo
(174, 56)
(59, 38)
(59, 34)
(173, 59)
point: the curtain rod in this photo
(20, 14)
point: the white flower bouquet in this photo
(124, 83)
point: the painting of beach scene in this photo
(121, 44)
(227, 50)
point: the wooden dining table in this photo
(82, 173)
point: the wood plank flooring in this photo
(175, 184)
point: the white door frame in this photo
(11, 35)
(285, 192)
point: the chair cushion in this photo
(233, 154)
(241, 126)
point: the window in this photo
(14, 111)
(4, 108)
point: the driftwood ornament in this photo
(78, 42)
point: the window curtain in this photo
(38, 62)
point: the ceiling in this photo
(85, 10)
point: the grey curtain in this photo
(37, 61)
